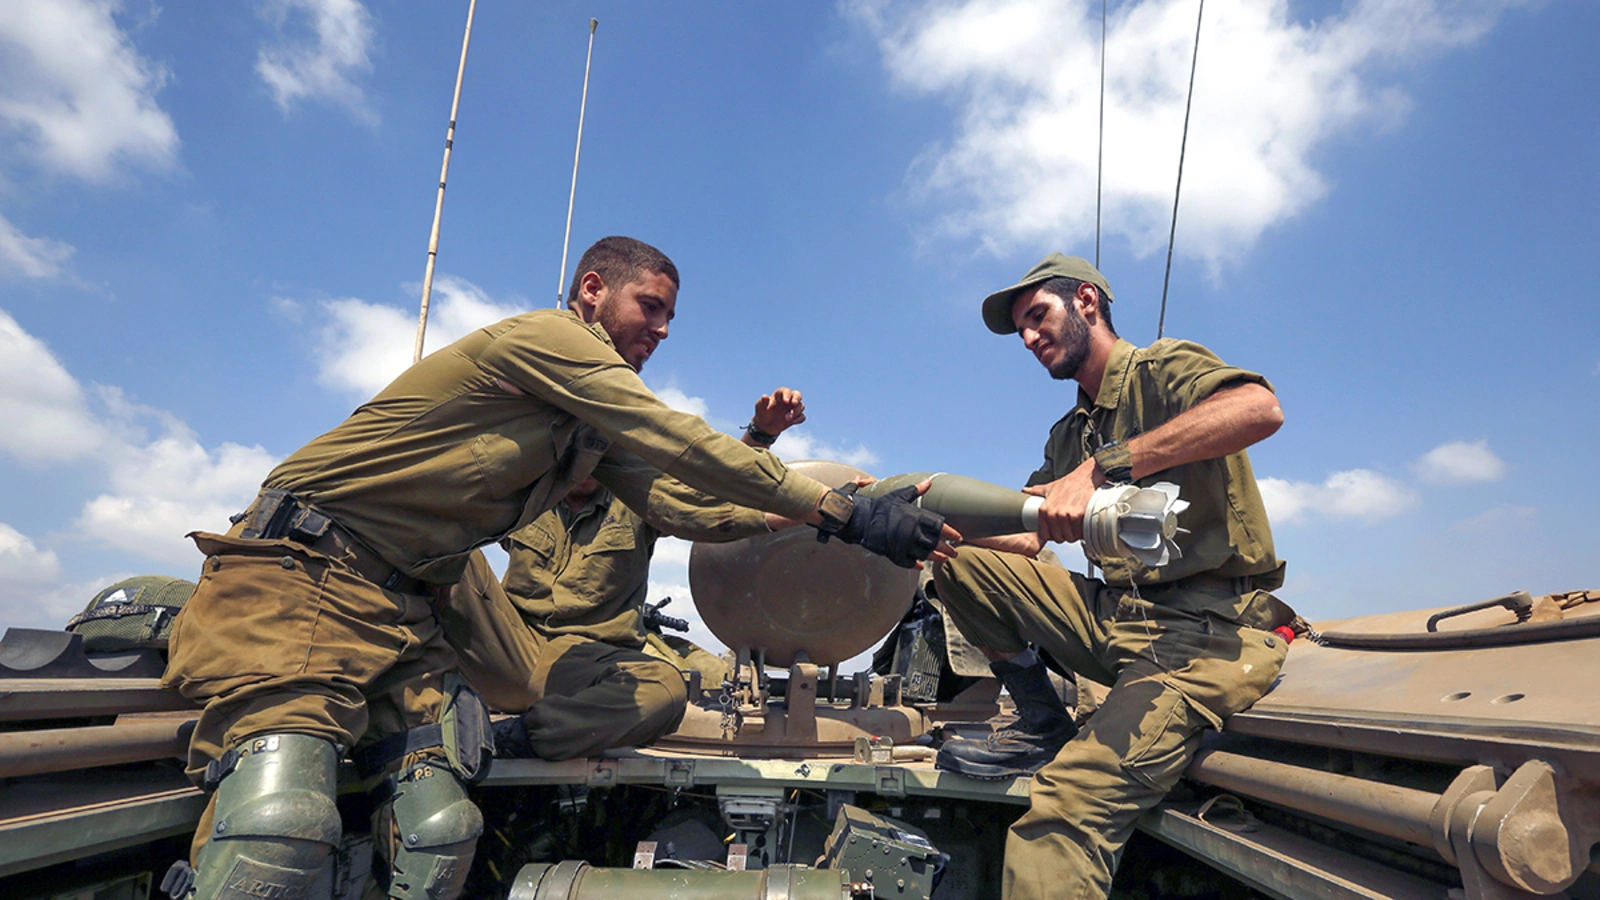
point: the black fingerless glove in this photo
(892, 526)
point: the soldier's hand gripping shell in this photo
(891, 525)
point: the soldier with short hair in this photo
(1182, 646)
(314, 631)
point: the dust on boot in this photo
(1043, 726)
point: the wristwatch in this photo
(835, 508)
(1116, 462)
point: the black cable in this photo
(1183, 147)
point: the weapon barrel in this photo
(1398, 812)
(573, 880)
(975, 508)
(67, 749)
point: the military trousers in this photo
(279, 639)
(577, 696)
(1178, 660)
(688, 656)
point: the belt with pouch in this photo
(279, 514)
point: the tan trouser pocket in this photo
(272, 610)
(1168, 734)
(252, 616)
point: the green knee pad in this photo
(276, 824)
(438, 829)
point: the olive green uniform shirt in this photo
(485, 435)
(1145, 388)
(586, 572)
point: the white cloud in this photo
(78, 100)
(1270, 91)
(683, 607)
(1499, 521)
(49, 604)
(320, 60)
(674, 397)
(159, 489)
(287, 309)
(30, 257)
(365, 345)
(32, 594)
(45, 411)
(671, 551)
(171, 486)
(1460, 462)
(77, 93)
(1354, 494)
(796, 443)
(23, 562)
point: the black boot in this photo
(511, 739)
(1043, 725)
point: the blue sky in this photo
(213, 224)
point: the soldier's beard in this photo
(624, 335)
(1074, 344)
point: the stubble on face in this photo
(1051, 326)
(636, 316)
(624, 334)
(1073, 341)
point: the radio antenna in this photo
(1183, 145)
(572, 195)
(1100, 156)
(438, 206)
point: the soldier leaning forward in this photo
(313, 632)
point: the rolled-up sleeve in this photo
(1189, 373)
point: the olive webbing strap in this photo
(374, 758)
(117, 611)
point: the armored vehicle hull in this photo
(1417, 754)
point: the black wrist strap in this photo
(759, 436)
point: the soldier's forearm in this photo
(776, 522)
(1226, 422)
(1027, 544)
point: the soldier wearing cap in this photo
(1181, 646)
(564, 643)
(314, 631)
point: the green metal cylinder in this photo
(975, 508)
(574, 880)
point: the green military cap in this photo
(997, 306)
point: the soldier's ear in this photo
(591, 291)
(1088, 298)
